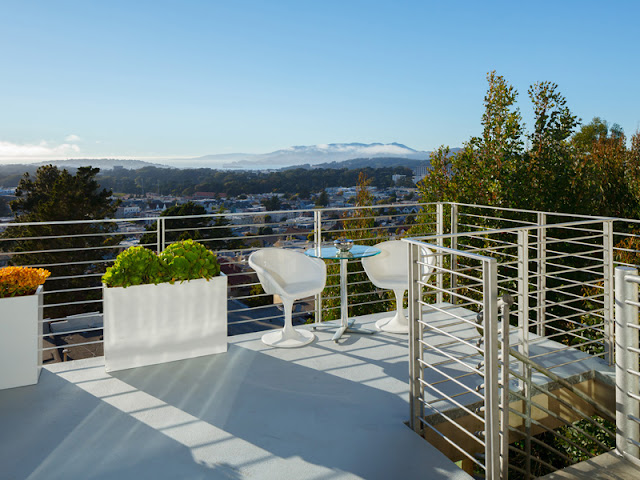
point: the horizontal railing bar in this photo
(69, 345)
(450, 442)
(453, 422)
(80, 302)
(68, 290)
(442, 352)
(451, 399)
(452, 379)
(70, 332)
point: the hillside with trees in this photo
(168, 181)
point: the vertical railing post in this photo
(523, 324)
(159, 235)
(607, 260)
(523, 291)
(504, 393)
(626, 318)
(440, 257)
(317, 244)
(163, 239)
(491, 370)
(415, 328)
(541, 311)
(454, 246)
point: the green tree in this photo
(359, 226)
(590, 133)
(4, 207)
(438, 185)
(272, 203)
(607, 176)
(70, 251)
(544, 176)
(488, 161)
(323, 199)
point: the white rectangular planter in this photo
(151, 324)
(20, 340)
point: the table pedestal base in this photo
(344, 327)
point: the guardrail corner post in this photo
(317, 244)
(542, 275)
(414, 293)
(161, 234)
(492, 369)
(439, 259)
(626, 314)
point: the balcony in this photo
(324, 411)
(532, 287)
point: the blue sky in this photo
(149, 79)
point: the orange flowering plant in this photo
(20, 281)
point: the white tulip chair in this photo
(390, 270)
(291, 275)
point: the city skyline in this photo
(156, 80)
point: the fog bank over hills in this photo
(312, 155)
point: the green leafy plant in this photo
(135, 266)
(188, 260)
(184, 260)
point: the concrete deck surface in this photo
(607, 466)
(324, 411)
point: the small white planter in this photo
(151, 324)
(20, 340)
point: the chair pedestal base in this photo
(397, 324)
(293, 338)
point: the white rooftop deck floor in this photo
(324, 411)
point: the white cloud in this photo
(38, 151)
(72, 138)
(386, 149)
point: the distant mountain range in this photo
(312, 155)
(334, 155)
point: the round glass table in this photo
(332, 253)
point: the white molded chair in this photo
(390, 269)
(291, 275)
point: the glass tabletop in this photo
(357, 251)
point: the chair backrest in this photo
(277, 267)
(393, 261)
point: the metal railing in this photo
(559, 277)
(452, 361)
(78, 252)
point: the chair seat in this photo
(392, 282)
(302, 289)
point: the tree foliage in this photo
(70, 251)
(272, 203)
(589, 171)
